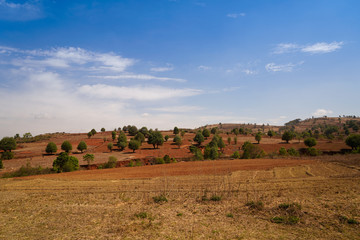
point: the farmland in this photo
(274, 197)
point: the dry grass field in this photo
(204, 204)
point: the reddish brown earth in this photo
(34, 153)
(216, 167)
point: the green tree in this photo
(65, 163)
(51, 148)
(166, 138)
(214, 130)
(258, 137)
(27, 135)
(110, 146)
(229, 140)
(199, 138)
(1, 164)
(221, 144)
(287, 136)
(177, 140)
(176, 130)
(353, 141)
(89, 134)
(156, 139)
(88, 158)
(140, 137)
(66, 146)
(7, 144)
(206, 133)
(93, 131)
(134, 144)
(211, 152)
(144, 131)
(122, 141)
(82, 146)
(102, 130)
(270, 133)
(251, 151)
(235, 140)
(133, 130)
(310, 142)
(113, 135)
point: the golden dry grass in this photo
(112, 209)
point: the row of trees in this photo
(66, 146)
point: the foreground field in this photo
(204, 204)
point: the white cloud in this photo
(249, 72)
(68, 57)
(322, 112)
(177, 109)
(169, 67)
(141, 77)
(272, 67)
(230, 89)
(29, 10)
(235, 15)
(322, 47)
(204, 68)
(317, 48)
(139, 93)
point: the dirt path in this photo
(178, 169)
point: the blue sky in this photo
(76, 65)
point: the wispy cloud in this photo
(27, 11)
(322, 112)
(317, 48)
(141, 77)
(177, 109)
(235, 15)
(204, 68)
(66, 57)
(139, 93)
(249, 72)
(323, 47)
(289, 67)
(169, 67)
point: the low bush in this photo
(159, 161)
(293, 152)
(7, 155)
(215, 198)
(167, 159)
(252, 151)
(313, 151)
(111, 162)
(142, 215)
(236, 154)
(28, 171)
(282, 151)
(259, 205)
(160, 199)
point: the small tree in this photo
(156, 139)
(82, 146)
(113, 135)
(206, 133)
(287, 136)
(122, 141)
(65, 163)
(258, 137)
(66, 146)
(102, 130)
(176, 130)
(51, 148)
(133, 130)
(1, 164)
(140, 137)
(182, 133)
(134, 144)
(7, 144)
(235, 140)
(229, 140)
(211, 152)
(310, 142)
(110, 146)
(353, 141)
(199, 138)
(89, 134)
(93, 131)
(166, 138)
(235, 131)
(270, 133)
(221, 144)
(177, 140)
(214, 130)
(88, 158)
